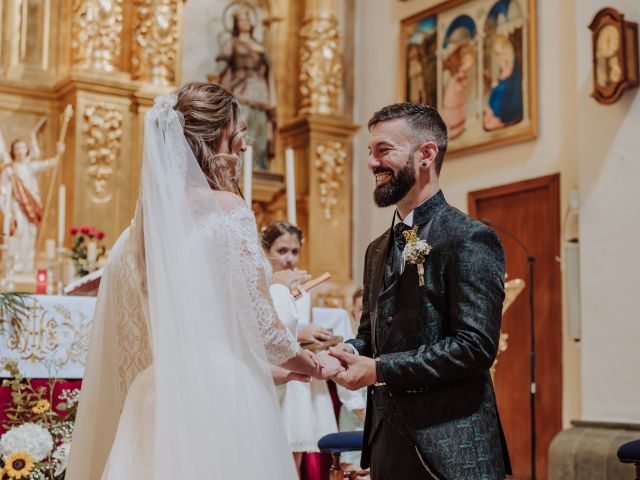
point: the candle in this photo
(247, 181)
(50, 248)
(6, 226)
(62, 194)
(291, 186)
(41, 282)
(92, 252)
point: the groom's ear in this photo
(428, 153)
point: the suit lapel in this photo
(380, 260)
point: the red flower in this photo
(73, 230)
(91, 233)
(85, 229)
(100, 235)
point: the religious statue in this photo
(19, 179)
(244, 71)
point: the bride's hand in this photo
(290, 278)
(331, 366)
(281, 376)
(305, 362)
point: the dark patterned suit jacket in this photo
(435, 344)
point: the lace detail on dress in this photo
(134, 349)
(250, 274)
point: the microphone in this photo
(531, 260)
(490, 224)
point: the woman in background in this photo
(306, 407)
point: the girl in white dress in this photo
(306, 407)
(177, 383)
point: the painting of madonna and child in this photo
(475, 61)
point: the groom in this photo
(430, 327)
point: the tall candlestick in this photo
(92, 254)
(291, 186)
(6, 225)
(50, 249)
(247, 181)
(62, 198)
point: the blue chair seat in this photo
(630, 452)
(341, 442)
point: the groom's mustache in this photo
(379, 170)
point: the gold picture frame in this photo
(476, 62)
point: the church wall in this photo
(555, 149)
(609, 173)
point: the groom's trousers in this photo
(394, 458)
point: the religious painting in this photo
(475, 61)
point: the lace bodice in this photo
(250, 275)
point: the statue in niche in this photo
(243, 69)
(19, 177)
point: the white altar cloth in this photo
(52, 340)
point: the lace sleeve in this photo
(251, 273)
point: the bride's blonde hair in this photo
(209, 112)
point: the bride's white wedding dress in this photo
(178, 383)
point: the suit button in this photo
(389, 319)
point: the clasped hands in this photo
(342, 366)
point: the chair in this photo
(630, 453)
(335, 444)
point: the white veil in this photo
(215, 411)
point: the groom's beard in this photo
(395, 189)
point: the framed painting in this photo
(475, 61)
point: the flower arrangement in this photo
(83, 237)
(415, 252)
(37, 442)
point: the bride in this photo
(177, 384)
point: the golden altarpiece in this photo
(108, 59)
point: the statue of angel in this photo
(19, 178)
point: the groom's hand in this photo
(360, 370)
(344, 347)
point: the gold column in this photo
(320, 59)
(321, 136)
(97, 34)
(155, 41)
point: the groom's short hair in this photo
(423, 119)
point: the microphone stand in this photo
(531, 260)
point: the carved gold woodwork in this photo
(97, 34)
(156, 41)
(322, 146)
(320, 65)
(103, 141)
(330, 161)
(268, 198)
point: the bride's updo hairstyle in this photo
(209, 112)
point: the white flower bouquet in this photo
(37, 440)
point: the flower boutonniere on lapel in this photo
(415, 252)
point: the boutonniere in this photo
(415, 252)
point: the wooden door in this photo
(529, 211)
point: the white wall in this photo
(376, 63)
(609, 159)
